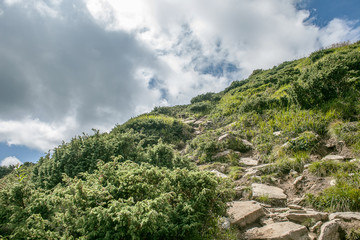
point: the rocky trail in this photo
(276, 209)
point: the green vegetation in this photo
(344, 196)
(141, 181)
(329, 167)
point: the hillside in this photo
(282, 145)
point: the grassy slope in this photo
(308, 101)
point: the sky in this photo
(67, 67)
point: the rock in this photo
(222, 154)
(333, 182)
(347, 216)
(197, 132)
(301, 217)
(294, 206)
(224, 137)
(278, 210)
(200, 121)
(316, 226)
(225, 223)
(247, 143)
(243, 213)
(333, 157)
(277, 133)
(249, 161)
(298, 180)
(266, 221)
(278, 231)
(312, 236)
(276, 195)
(329, 231)
(218, 174)
(189, 121)
(255, 170)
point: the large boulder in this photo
(274, 194)
(347, 216)
(249, 161)
(300, 217)
(278, 231)
(333, 157)
(330, 231)
(243, 213)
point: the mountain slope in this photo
(169, 174)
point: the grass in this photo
(342, 197)
(329, 167)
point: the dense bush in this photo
(117, 201)
(334, 76)
(152, 128)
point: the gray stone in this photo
(300, 217)
(218, 174)
(332, 182)
(330, 231)
(189, 121)
(277, 133)
(333, 157)
(316, 226)
(273, 193)
(247, 143)
(278, 231)
(225, 223)
(295, 206)
(222, 154)
(249, 161)
(298, 180)
(348, 216)
(243, 213)
(224, 137)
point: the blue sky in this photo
(69, 66)
(324, 11)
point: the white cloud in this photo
(36, 134)
(94, 63)
(10, 161)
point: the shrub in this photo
(118, 201)
(306, 141)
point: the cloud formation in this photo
(10, 161)
(69, 66)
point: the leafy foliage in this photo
(119, 200)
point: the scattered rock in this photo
(200, 121)
(277, 133)
(329, 231)
(347, 216)
(189, 121)
(247, 143)
(316, 226)
(225, 223)
(278, 231)
(218, 174)
(333, 157)
(298, 180)
(276, 195)
(224, 137)
(222, 154)
(301, 217)
(332, 182)
(249, 161)
(243, 213)
(295, 206)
